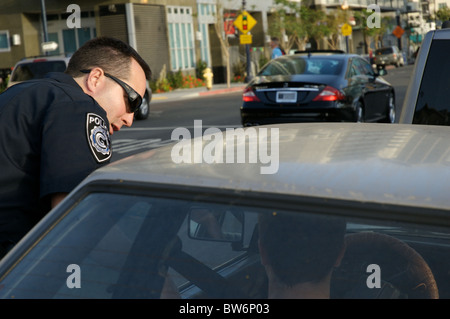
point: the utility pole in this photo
(44, 22)
(399, 39)
(247, 50)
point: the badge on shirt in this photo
(98, 137)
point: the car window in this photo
(361, 67)
(128, 246)
(432, 105)
(36, 70)
(365, 67)
(354, 69)
(384, 51)
(302, 65)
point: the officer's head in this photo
(110, 54)
(114, 74)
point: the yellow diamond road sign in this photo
(346, 29)
(244, 22)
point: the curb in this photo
(221, 91)
(161, 97)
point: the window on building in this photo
(206, 16)
(4, 41)
(181, 38)
(69, 40)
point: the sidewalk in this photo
(181, 94)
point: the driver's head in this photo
(300, 248)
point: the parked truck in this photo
(427, 99)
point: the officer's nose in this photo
(127, 119)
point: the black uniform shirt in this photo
(52, 135)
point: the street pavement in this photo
(180, 94)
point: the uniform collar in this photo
(63, 78)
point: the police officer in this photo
(55, 131)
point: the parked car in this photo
(426, 99)
(38, 67)
(389, 56)
(319, 86)
(151, 226)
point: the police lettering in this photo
(97, 120)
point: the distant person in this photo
(55, 131)
(277, 51)
(299, 253)
(446, 24)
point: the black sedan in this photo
(320, 86)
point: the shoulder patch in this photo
(98, 137)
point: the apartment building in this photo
(170, 35)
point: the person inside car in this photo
(299, 254)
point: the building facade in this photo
(170, 35)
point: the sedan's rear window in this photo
(302, 65)
(36, 70)
(384, 51)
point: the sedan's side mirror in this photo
(381, 70)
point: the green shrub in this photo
(175, 79)
(199, 68)
(263, 60)
(240, 69)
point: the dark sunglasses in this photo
(134, 99)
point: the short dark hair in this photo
(112, 55)
(301, 248)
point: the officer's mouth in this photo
(113, 128)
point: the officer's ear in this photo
(94, 79)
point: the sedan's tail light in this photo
(250, 96)
(330, 93)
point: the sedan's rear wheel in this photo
(390, 111)
(359, 112)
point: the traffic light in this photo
(244, 23)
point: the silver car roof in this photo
(379, 163)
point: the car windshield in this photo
(36, 70)
(128, 246)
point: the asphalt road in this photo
(221, 111)
(168, 112)
(399, 78)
